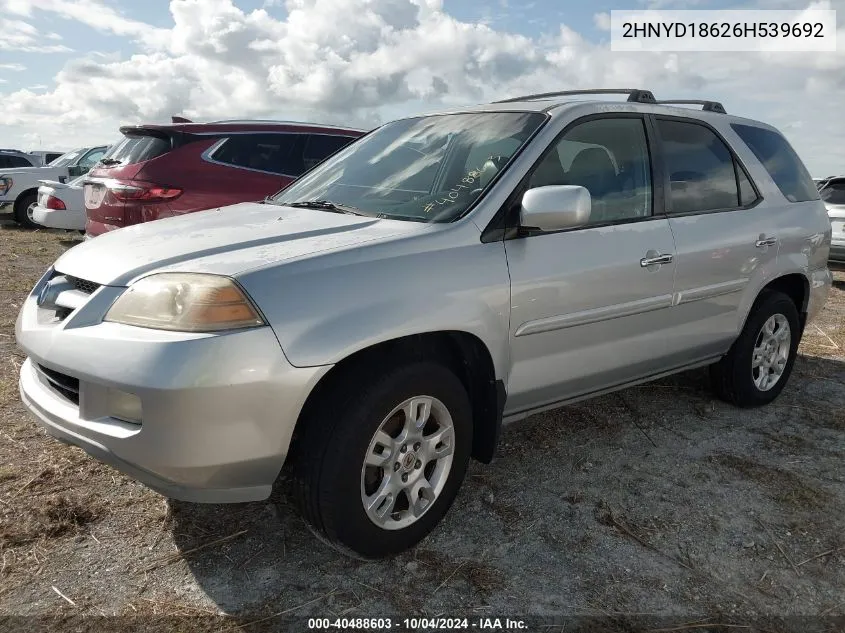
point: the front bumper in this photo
(59, 219)
(217, 411)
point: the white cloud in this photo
(13, 67)
(352, 61)
(602, 21)
(22, 36)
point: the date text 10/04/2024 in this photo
(414, 624)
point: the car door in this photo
(588, 304)
(725, 241)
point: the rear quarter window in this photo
(136, 149)
(279, 154)
(780, 160)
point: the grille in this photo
(81, 284)
(64, 384)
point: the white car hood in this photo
(42, 173)
(227, 241)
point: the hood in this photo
(41, 172)
(226, 241)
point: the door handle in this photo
(656, 260)
(765, 241)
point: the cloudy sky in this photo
(72, 71)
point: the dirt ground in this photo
(658, 501)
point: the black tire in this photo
(329, 455)
(732, 376)
(21, 205)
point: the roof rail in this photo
(707, 106)
(634, 94)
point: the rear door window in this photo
(10, 162)
(279, 154)
(136, 149)
(780, 160)
(320, 146)
(703, 175)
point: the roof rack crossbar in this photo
(634, 94)
(708, 106)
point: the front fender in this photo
(328, 307)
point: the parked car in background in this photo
(158, 171)
(61, 205)
(374, 324)
(13, 158)
(833, 194)
(46, 157)
(19, 186)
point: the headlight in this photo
(185, 302)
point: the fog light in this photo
(124, 406)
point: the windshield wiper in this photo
(324, 205)
(109, 161)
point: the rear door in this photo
(726, 240)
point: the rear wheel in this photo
(759, 363)
(24, 206)
(381, 459)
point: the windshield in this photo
(427, 169)
(834, 193)
(67, 159)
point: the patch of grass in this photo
(54, 517)
(783, 486)
(7, 473)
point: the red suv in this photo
(157, 171)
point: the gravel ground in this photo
(655, 502)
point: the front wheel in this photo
(759, 363)
(380, 460)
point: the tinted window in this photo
(609, 157)
(702, 176)
(16, 161)
(781, 161)
(834, 193)
(320, 146)
(136, 149)
(51, 156)
(273, 153)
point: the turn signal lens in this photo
(185, 302)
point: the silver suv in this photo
(373, 325)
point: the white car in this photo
(19, 187)
(60, 205)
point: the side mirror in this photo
(74, 171)
(555, 207)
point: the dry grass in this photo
(783, 486)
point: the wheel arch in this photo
(23, 194)
(462, 352)
(793, 284)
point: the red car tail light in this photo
(142, 191)
(55, 203)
